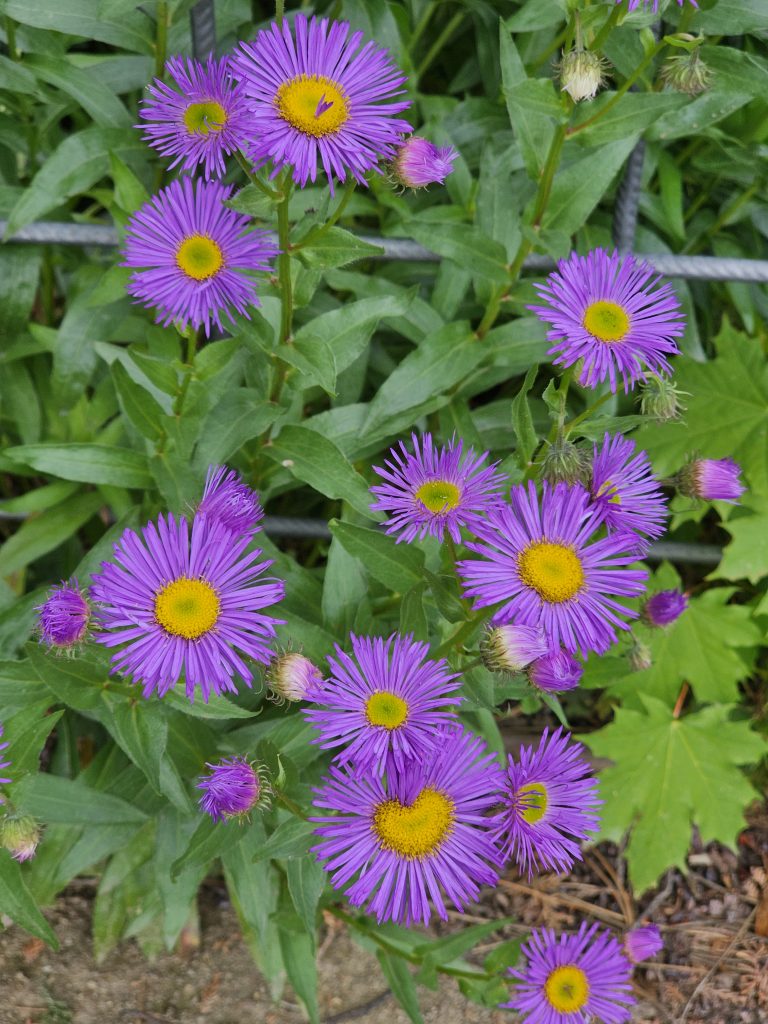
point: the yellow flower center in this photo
(187, 607)
(386, 709)
(199, 257)
(567, 989)
(416, 831)
(205, 117)
(606, 321)
(533, 802)
(439, 495)
(554, 571)
(313, 104)
(608, 490)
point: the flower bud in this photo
(233, 789)
(565, 462)
(663, 608)
(642, 943)
(582, 73)
(419, 163)
(555, 672)
(64, 617)
(510, 648)
(687, 73)
(19, 835)
(292, 676)
(660, 399)
(712, 480)
(640, 656)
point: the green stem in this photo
(317, 232)
(279, 11)
(608, 26)
(693, 244)
(587, 412)
(189, 367)
(291, 806)
(10, 36)
(254, 179)
(421, 25)
(464, 630)
(161, 40)
(284, 262)
(440, 42)
(648, 59)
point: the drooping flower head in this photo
(661, 399)
(232, 789)
(3, 764)
(611, 312)
(549, 801)
(185, 599)
(20, 835)
(582, 72)
(643, 943)
(664, 608)
(385, 704)
(419, 162)
(64, 616)
(711, 480)
(417, 834)
(573, 979)
(625, 490)
(229, 501)
(433, 491)
(687, 73)
(313, 96)
(194, 256)
(293, 677)
(555, 672)
(511, 648)
(199, 119)
(540, 561)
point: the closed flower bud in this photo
(419, 163)
(640, 656)
(292, 677)
(233, 789)
(64, 617)
(555, 672)
(660, 399)
(19, 835)
(642, 943)
(511, 648)
(663, 608)
(582, 73)
(565, 462)
(711, 480)
(687, 73)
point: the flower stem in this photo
(254, 179)
(464, 630)
(649, 58)
(608, 26)
(161, 38)
(587, 412)
(291, 806)
(284, 262)
(317, 232)
(440, 42)
(279, 11)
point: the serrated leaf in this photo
(667, 773)
(746, 556)
(398, 567)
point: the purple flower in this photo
(231, 790)
(643, 943)
(419, 163)
(195, 255)
(386, 704)
(229, 501)
(200, 120)
(543, 565)
(511, 648)
(555, 672)
(314, 96)
(625, 490)
(634, 4)
(292, 677)
(608, 311)
(712, 480)
(573, 979)
(663, 608)
(185, 600)
(64, 616)
(417, 834)
(549, 801)
(435, 490)
(3, 764)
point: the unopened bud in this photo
(660, 399)
(640, 656)
(642, 943)
(64, 617)
(555, 672)
(565, 462)
(711, 480)
(582, 73)
(664, 608)
(292, 676)
(233, 788)
(511, 648)
(687, 73)
(418, 163)
(19, 835)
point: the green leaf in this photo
(210, 840)
(395, 970)
(634, 112)
(19, 274)
(533, 105)
(299, 959)
(248, 417)
(137, 404)
(746, 557)
(306, 881)
(129, 31)
(44, 533)
(76, 682)
(292, 838)
(666, 772)
(130, 193)
(318, 462)
(26, 733)
(345, 589)
(88, 463)
(443, 951)
(53, 799)
(315, 360)
(522, 420)
(579, 187)
(99, 102)
(398, 567)
(412, 616)
(337, 247)
(218, 707)
(74, 357)
(18, 903)
(466, 246)
(141, 731)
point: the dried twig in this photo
(733, 943)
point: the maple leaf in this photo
(672, 773)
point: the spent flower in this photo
(582, 73)
(686, 73)
(660, 399)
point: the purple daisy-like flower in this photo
(541, 563)
(643, 943)
(625, 490)
(712, 480)
(573, 979)
(611, 312)
(435, 490)
(663, 608)
(386, 704)
(185, 599)
(64, 616)
(292, 677)
(419, 163)
(512, 648)
(3, 764)
(549, 801)
(199, 119)
(416, 834)
(229, 501)
(555, 672)
(194, 255)
(231, 790)
(313, 96)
